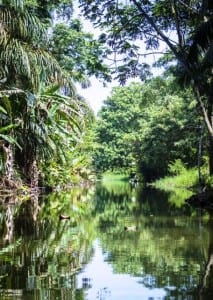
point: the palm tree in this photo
(24, 61)
(7, 140)
(50, 124)
(41, 123)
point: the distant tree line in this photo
(144, 127)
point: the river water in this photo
(120, 243)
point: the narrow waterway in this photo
(120, 242)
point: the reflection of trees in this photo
(108, 211)
(206, 287)
(116, 206)
(9, 223)
(26, 216)
(160, 252)
(167, 249)
(45, 253)
(157, 202)
(7, 209)
(117, 187)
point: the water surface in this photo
(165, 253)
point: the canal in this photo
(118, 243)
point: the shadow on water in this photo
(119, 243)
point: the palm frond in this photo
(20, 24)
(8, 127)
(30, 62)
(2, 110)
(10, 139)
(22, 50)
(50, 90)
(6, 104)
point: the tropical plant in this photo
(38, 122)
(77, 167)
(24, 63)
(51, 126)
(24, 60)
(7, 139)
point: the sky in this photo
(96, 93)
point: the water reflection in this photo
(206, 286)
(106, 283)
(168, 255)
(44, 254)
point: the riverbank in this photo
(187, 179)
(201, 197)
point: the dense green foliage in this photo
(42, 118)
(145, 127)
(118, 122)
(78, 52)
(181, 30)
(46, 131)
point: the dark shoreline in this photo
(203, 199)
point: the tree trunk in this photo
(9, 163)
(34, 174)
(210, 155)
(210, 148)
(206, 105)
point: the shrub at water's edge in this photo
(187, 188)
(180, 177)
(188, 179)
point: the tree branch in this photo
(180, 38)
(188, 7)
(156, 28)
(139, 54)
(206, 118)
(179, 55)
